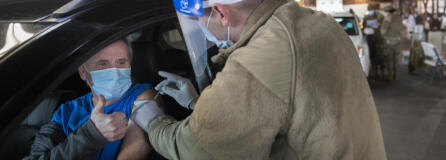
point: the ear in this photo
(222, 14)
(82, 73)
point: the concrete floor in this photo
(413, 117)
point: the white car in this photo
(351, 26)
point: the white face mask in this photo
(112, 83)
(210, 37)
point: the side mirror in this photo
(369, 31)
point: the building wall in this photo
(313, 2)
(360, 9)
(354, 1)
(329, 5)
(441, 5)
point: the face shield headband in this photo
(189, 12)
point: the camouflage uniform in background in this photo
(376, 41)
(416, 59)
(385, 62)
(391, 30)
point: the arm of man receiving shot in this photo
(136, 144)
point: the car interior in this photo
(348, 24)
(155, 48)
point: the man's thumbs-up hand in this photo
(113, 126)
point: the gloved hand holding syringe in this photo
(179, 88)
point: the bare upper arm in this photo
(135, 144)
(148, 94)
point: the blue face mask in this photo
(210, 37)
(112, 83)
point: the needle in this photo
(156, 96)
(140, 106)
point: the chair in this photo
(433, 60)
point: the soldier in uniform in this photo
(376, 42)
(391, 30)
(416, 58)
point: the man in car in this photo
(97, 124)
(291, 88)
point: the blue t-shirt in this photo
(73, 114)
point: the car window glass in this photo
(348, 24)
(173, 39)
(13, 34)
(18, 10)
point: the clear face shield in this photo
(195, 41)
(189, 12)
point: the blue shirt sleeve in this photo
(62, 116)
(59, 118)
(136, 91)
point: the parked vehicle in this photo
(351, 26)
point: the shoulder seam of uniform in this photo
(293, 73)
(293, 55)
(260, 82)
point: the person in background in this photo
(376, 42)
(417, 56)
(391, 30)
(420, 31)
(411, 21)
